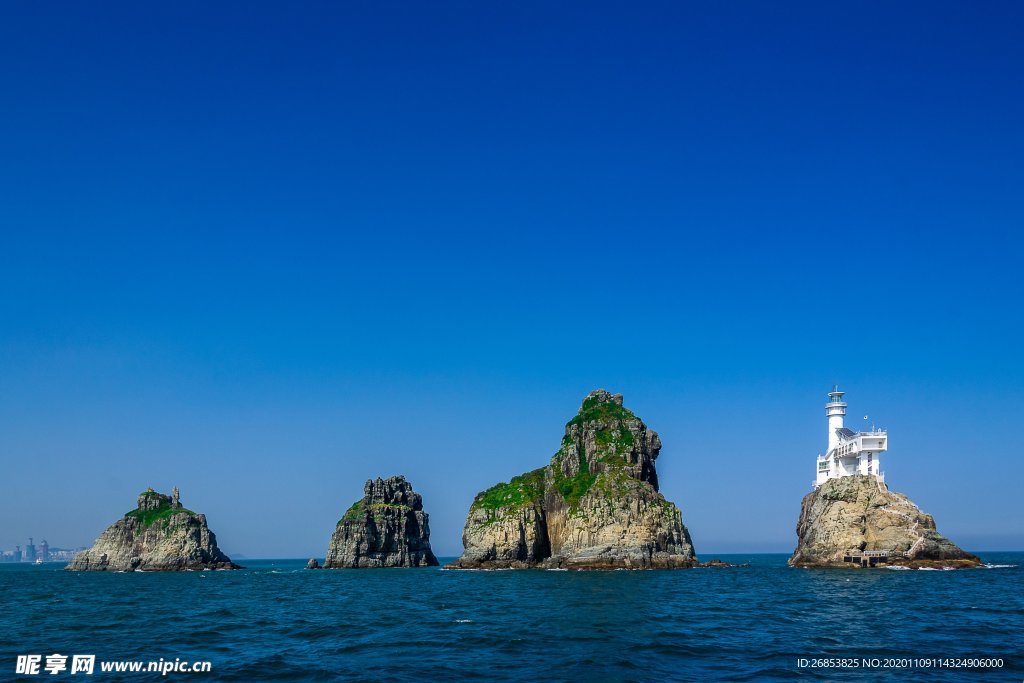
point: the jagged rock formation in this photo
(387, 528)
(312, 564)
(594, 506)
(849, 516)
(158, 535)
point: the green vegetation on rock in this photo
(594, 409)
(355, 511)
(613, 483)
(522, 490)
(613, 445)
(376, 510)
(575, 487)
(161, 514)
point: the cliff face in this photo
(594, 506)
(158, 535)
(850, 515)
(506, 526)
(387, 528)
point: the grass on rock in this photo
(162, 514)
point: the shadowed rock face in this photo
(850, 515)
(387, 528)
(158, 535)
(594, 506)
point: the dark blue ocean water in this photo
(277, 621)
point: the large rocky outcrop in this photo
(158, 535)
(594, 506)
(847, 517)
(387, 528)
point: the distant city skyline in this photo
(43, 552)
(264, 253)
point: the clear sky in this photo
(265, 251)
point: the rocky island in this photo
(595, 505)
(856, 521)
(386, 528)
(158, 535)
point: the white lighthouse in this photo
(848, 452)
(835, 410)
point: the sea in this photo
(276, 621)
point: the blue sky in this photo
(264, 252)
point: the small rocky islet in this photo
(856, 521)
(158, 535)
(595, 505)
(387, 527)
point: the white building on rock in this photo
(848, 452)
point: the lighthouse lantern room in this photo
(848, 452)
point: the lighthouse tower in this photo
(835, 409)
(849, 453)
